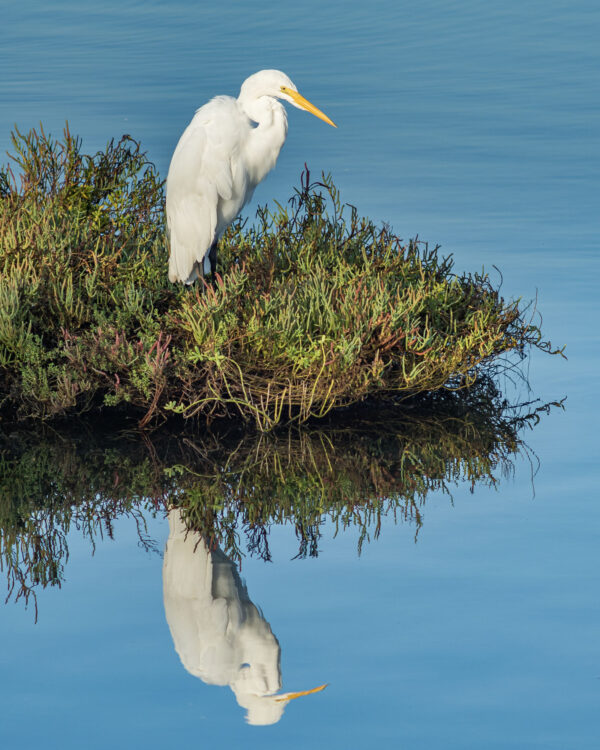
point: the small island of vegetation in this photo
(313, 307)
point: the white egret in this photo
(227, 149)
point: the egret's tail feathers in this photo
(192, 228)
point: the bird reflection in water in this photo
(220, 635)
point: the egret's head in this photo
(276, 84)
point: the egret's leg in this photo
(196, 273)
(212, 256)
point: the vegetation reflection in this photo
(232, 486)
(223, 490)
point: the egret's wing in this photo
(205, 185)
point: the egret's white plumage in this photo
(227, 149)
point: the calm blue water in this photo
(474, 125)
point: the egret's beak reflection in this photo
(291, 696)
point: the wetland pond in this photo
(215, 582)
(436, 567)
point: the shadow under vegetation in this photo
(232, 485)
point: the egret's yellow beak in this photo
(291, 696)
(305, 104)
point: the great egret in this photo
(227, 149)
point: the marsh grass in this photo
(313, 306)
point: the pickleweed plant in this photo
(312, 307)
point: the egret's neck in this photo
(266, 139)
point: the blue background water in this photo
(476, 126)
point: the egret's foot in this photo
(212, 257)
